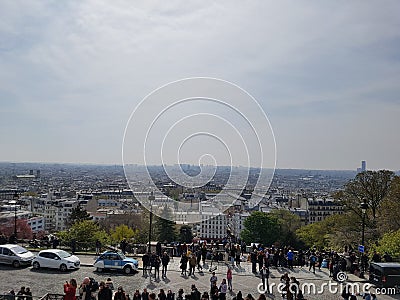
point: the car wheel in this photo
(16, 264)
(99, 269)
(128, 270)
(36, 265)
(63, 268)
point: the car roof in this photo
(110, 251)
(10, 246)
(51, 250)
(386, 264)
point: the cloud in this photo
(78, 68)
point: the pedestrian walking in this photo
(290, 257)
(192, 264)
(265, 279)
(213, 279)
(229, 278)
(313, 261)
(98, 247)
(253, 259)
(157, 263)
(183, 264)
(164, 261)
(222, 289)
(146, 263)
(198, 260)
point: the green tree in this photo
(78, 214)
(122, 232)
(288, 224)
(390, 243)
(260, 227)
(370, 187)
(335, 231)
(389, 215)
(185, 234)
(165, 227)
(84, 233)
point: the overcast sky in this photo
(326, 73)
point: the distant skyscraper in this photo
(363, 167)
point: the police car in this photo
(116, 260)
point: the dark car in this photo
(385, 274)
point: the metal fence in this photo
(49, 296)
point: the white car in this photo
(56, 259)
(15, 255)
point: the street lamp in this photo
(363, 207)
(14, 202)
(151, 198)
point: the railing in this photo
(49, 296)
(7, 297)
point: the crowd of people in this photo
(193, 256)
(104, 290)
(24, 293)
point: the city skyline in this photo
(326, 75)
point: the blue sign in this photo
(361, 248)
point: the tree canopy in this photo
(389, 243)
(78, 214)
(185, 234)
(122, 232)
(84, 233)
(370, 187)
(165, 227)
(260, 227)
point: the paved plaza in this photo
(51, 281)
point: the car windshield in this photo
(63, 254)
(121, 255)
(19, 250)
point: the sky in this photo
(325, 73)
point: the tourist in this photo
(183, 263)
(70, 289)
(21, 293)
(192, 264)
(28, 294)
(145, 294)
(170, 295)
(105, 292)
(229, 278)
(162, 295)
(137, 295)
(109, 284)
(164, 261)
(120, 294)
(213, 279)
(222, 289)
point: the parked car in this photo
(56, 259)
(385, 274)
(15, 255)
(116, 260)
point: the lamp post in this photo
(151, 198)
(13, 202)
(363, 207)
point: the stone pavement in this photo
(243, 280)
